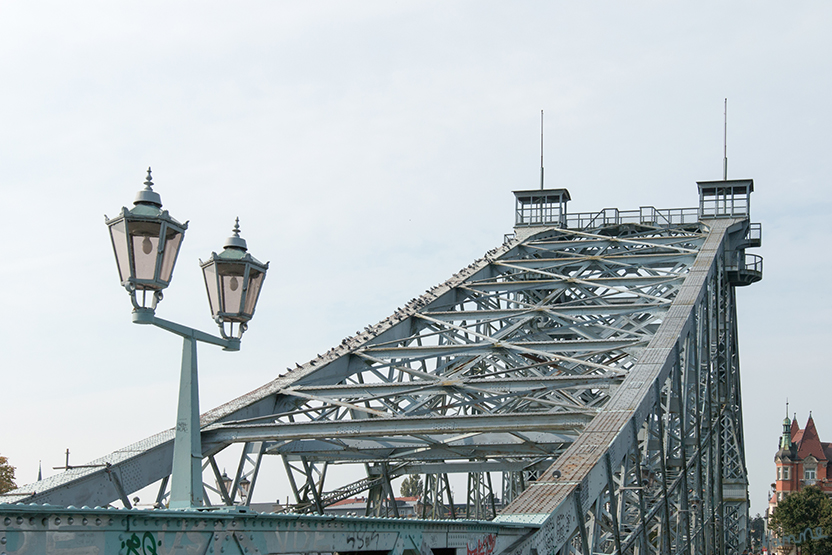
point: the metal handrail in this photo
(744, 262)
(755, 232)
(644, 215)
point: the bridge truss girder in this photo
(610, 352)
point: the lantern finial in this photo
(148, 195)
(235, 241)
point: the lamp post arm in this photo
(146, 316)
(232, 344)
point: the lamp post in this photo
(146, 242)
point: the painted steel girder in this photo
(466, 446)
(468, 349)
(505, 385)
(435, 427)
(34, 531)
(586, 309)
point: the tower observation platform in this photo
(582, 377)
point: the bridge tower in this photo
(586, 369)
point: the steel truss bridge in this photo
(583, 376)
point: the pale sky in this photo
(370, 150)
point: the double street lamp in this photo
(146, 241)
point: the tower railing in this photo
(743, 262)
(646, 215)
(743, 268)
(754, 235)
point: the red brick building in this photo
(802, 460)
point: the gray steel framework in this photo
(594, 366)
(661, 469)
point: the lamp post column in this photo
(186, 482)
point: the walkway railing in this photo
(647, 215)
(743, 262)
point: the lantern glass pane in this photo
(232, 287)
(210, 274)
(172, 242)
(119, 238)
(144, 251)
(255, 282)
(144, 238)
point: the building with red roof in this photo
(802, 460)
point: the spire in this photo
(786, 438)
(40, 471)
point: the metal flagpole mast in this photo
(541, 150)
(725, 144)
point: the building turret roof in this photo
(786, 437)
(809, 443)
(783, 455)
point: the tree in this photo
(411, 486)
(799, 517)
(6, 475)
(756, 529)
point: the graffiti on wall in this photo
(806, 535)
(484, 546)
(146, 545)
(363, 540)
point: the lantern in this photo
(146, 242)
(233, 279)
